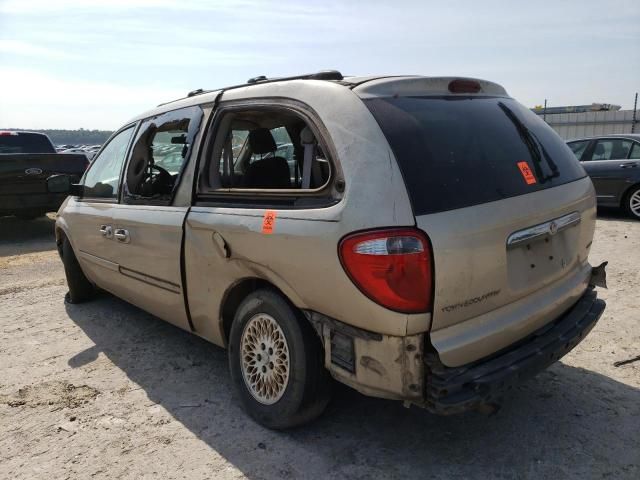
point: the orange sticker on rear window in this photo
(269, 221)
(527, 174)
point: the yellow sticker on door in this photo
(269, 221)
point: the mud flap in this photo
(599, 276)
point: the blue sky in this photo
(96, 63)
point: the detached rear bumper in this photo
(450, 390)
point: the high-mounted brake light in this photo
(464, 86)
(392, 267)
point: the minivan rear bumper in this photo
(450, 390)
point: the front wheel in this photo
(276, 362)
(80, 289)
(632, 202)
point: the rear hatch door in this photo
(509, 211)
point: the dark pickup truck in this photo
(27, 159)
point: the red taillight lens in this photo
(392, 267)
(464, 86)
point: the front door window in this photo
(103, 177)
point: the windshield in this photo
(457, 151)
(25, 143)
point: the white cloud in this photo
(17, 47)
(94, 63)
(38, 7)
(33, 99)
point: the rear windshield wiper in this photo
(535, 147)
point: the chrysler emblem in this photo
(553, 228)
(33, 171)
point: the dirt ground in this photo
(104, 390)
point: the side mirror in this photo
(62, 184)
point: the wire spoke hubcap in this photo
(264, 359)
(634, 203)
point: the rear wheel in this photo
(276, 362)
(632, 202)
(80, 289)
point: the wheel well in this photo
(60, 236)
(236, 294)
(624, 196)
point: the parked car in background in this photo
(430, 243)
(81, 151)
(26, 160)
(613, 163)
(61, 148)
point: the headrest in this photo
(307, 136)
(599, 149)
(261, 141)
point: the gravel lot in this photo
(104, 390)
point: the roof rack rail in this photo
(195, 92)
(259, 78)
(321, 75)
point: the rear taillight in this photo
(392, 267)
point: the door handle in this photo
(106, 231)
(122, 235)
(629, 165)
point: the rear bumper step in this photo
(454, 390)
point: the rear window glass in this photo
(456, 152)
(25, 143)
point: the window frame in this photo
(123, 192)
(261, 197)
(85, 198)
(586, 148)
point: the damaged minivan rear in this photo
(510, 218)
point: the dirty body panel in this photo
(489, 294)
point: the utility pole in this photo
(635, 109)
(544, 112)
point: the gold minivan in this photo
(416, 238)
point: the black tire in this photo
(631, 200)
(307, 390)
(80, 288)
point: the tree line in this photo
(75, 137)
